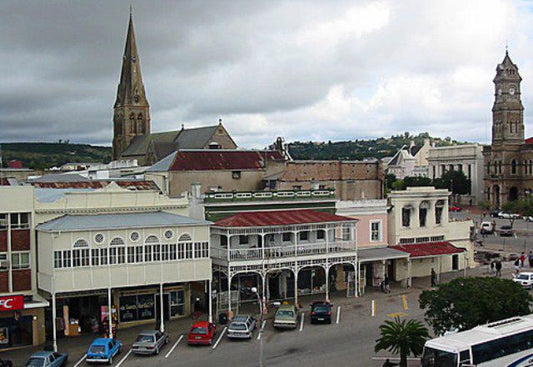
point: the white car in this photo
(525, 279)
(487, 228)
(507, 215)
(528, 218)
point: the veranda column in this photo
(229, 293)
(326, 270)
(295, 286)
(109, 314)
(162, 321)
(54, 327)
(409, 278)
(210, 300)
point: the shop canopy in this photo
(429, 249)
(382, 253)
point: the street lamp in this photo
(260, 302)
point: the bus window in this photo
(438, 358)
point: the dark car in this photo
(321, 312)
(6, 363)
(47, 359)
(494, 213)
(506, 231)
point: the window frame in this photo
(379, 222)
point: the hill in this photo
(46, 155)
(361, 149)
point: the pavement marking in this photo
(302, 322)
(81, 360)
(123, 359)
(262, 328)
(174, 346)
(400, 314)
(373, 308)
(338, 314)
(404, 300)
(220, 337)
(395, 358)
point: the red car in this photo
(202, 332)
(455, 209)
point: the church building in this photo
(509, 160)
(132, 136)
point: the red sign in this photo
(11, 303)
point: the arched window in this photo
(132, 125)
(422, 213)
(80, 243)
(406, 216)
(185, 247)
(513, 167)
(439, 205)
(488, 168)
(152, 249)
(117, 252)
(140, 127)
(80, 254)
(185, 238)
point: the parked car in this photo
(525, 279)
(103, 350)
(47, 359)
(507, 215)
(242, 326)
(506, 231)
(452, 208)
(202, 332)
(286, 317)
(528, 218)
(321, 312)
(486, 228)
(149, 342)
(6, 363)
(495, 213)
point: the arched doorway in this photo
(513, 193)
(496, 196)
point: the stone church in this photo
(508, 160)
(132, 136)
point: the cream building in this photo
(419, 225)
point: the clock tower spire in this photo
(131, 116)
(507, 111)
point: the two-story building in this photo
(419, 225)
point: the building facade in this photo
(465, 158)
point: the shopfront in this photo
(21, 322)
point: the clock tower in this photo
(131, 116)
(507, 111)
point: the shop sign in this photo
(11, 303)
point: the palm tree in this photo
(403, 337)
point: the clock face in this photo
(511, 91)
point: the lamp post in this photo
(260, 302)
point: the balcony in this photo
(282, 252)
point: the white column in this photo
(409, 278)
(357, 269)
(264, 287)
(295, 286)
(161, 306)
(54, 331)
(109, 313)
(229, 246)
(229, 291)
(210, 301)
(327, 282)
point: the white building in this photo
(465, 158)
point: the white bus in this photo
(505, 343)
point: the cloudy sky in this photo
(305, 70)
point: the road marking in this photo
(395, 358)
(400, 314)
(220, 337)
(123, 359)
(338, 314)
(404, 300)
(261, 329)
(302, 322)
(81, 360)
(174, 346)
(373, 308)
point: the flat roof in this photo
(75, 223)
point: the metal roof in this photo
(429, 249)
(75, 223)
(47, 195)
(98, 184)
(280, 218)
(382, 253)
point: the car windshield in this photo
(438, 358)
(237, 326)
(321, 309)
(199, 331)
(35, 362)
(523, 277)
(285, 313)
(97, 349)
(144, 338)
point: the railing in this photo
(279, 252)
(218, 197)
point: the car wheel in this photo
(110, 360)
(157, 350)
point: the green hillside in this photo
(46, 155)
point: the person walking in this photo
(516, 267)
(522, 260)
(433, 278)
(530, 259)
(492, 264)
(498, 267)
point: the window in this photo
(223, 241)
(205, 250)
(67, 256)
(188, 250)
(157, 252)
(99, 238)
(513, 167)
(177, 303)
(58, 262)
(117, 252)
(197, 250)
(103, 256)
(95, 257)
(19, 220)
(375, 231)
(131, 255)
(150, 249)
(346, 232)
(406, 216)
(164, 252)
(236, 175)
(147, 253)
(243, 240)
(181, 251)
(138, 254)
(173, 252)
(3, 221)
(286, 237)
(320, 235)
(185, 238)
(303, 236)
(134, 236)
(20, 260)
(169, 234)
(422, 213)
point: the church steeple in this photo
(132, 110)
(507, 111)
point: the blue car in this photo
(47, 359)
(103, 350)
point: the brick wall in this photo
(21, 280)
(4, 287)
(3, 240)
(20, 240)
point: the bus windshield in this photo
(438, 358)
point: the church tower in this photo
(507, 111)
(131, 116)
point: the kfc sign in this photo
(11, 303)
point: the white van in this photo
(486, 228)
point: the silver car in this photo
(149, 342)
(241, 327)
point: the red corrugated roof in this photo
(205, 160)
(429, 249)
(529, 140)
(279, 218)
(137, 184)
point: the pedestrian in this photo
(470, 202)
(386, 284)
(522, 260)
(433, 278)
(517, 266)
(492, 264)
(388, 363)
(498, 268)
(530, 259)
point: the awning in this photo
(382, 253)
(429, 249)
(36, 302)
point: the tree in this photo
(416, 181)
(389, 179)
(455, 181)
(398, 185)
(402, 337)
(467, 302)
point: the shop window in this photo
(177, 303)
(20, 260)
(303, 236)
(137, 307)
(406, 216)
(375, 231)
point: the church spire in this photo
(132, 110)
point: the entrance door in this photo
(166, 306)
(455, 262)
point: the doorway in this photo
(166, 306)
